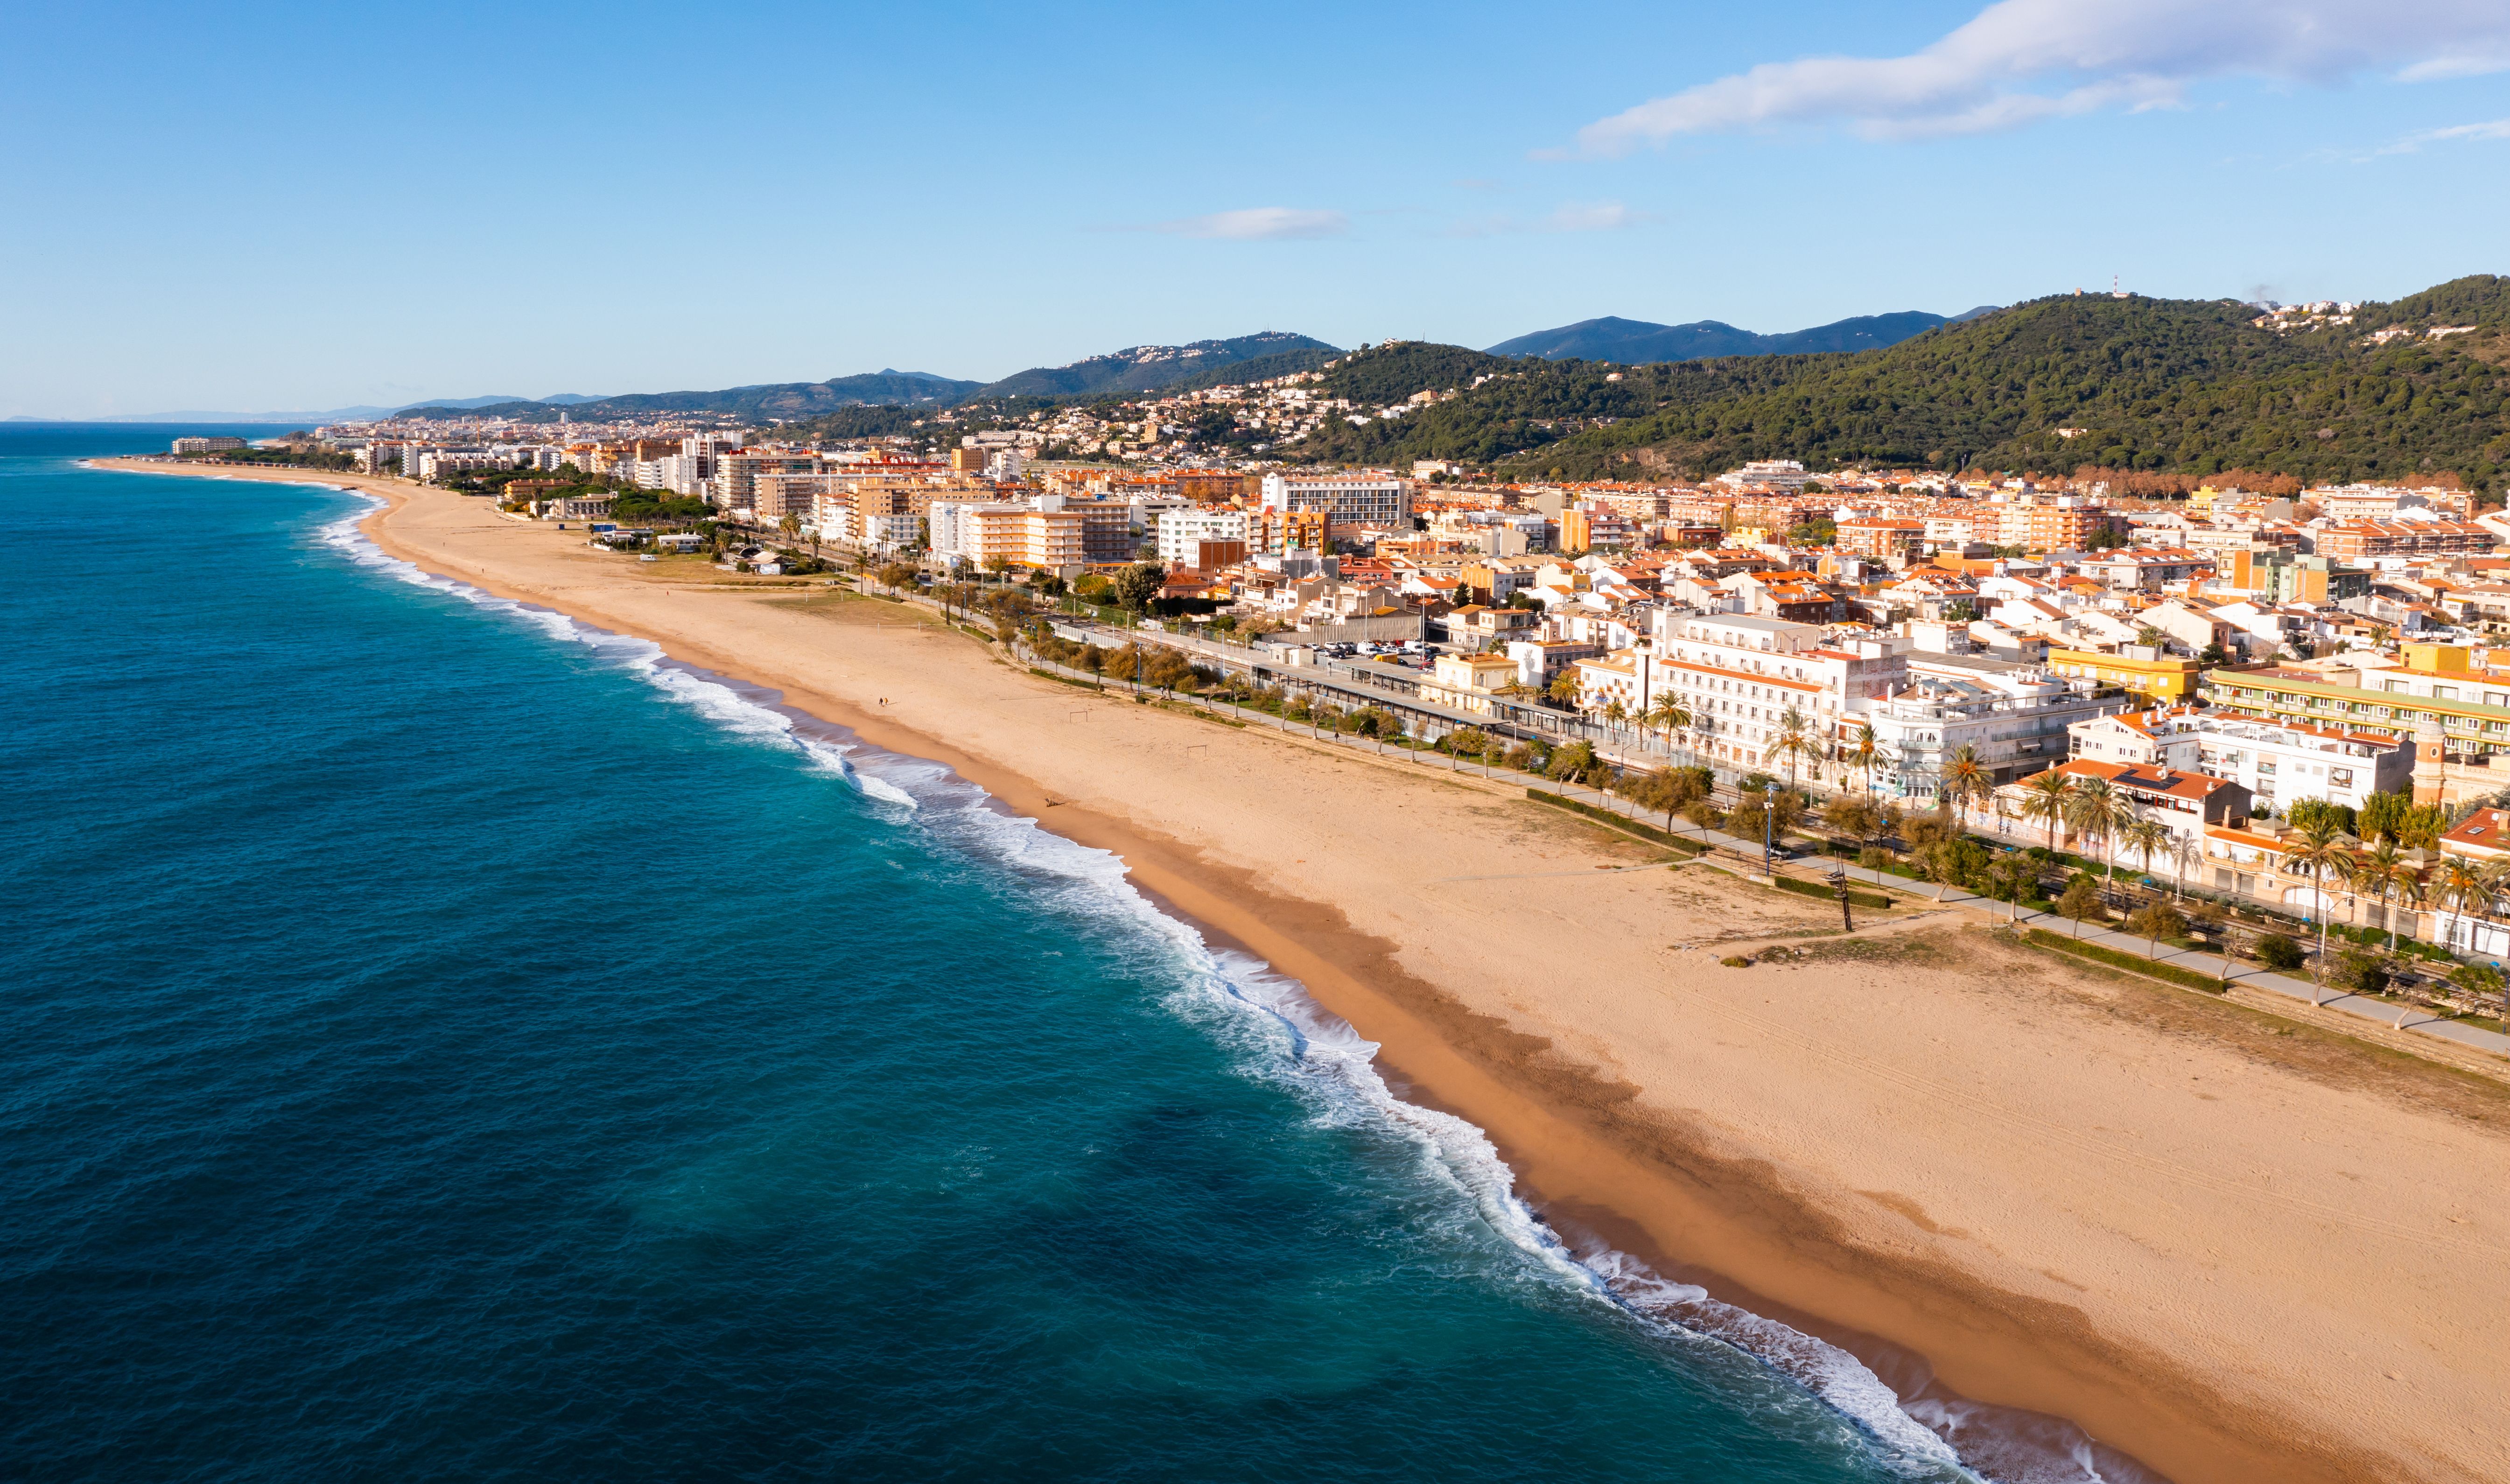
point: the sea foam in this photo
(1291, 1036)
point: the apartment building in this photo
(1881, 537)
(2364, 540)
(1180, 533)
(2057, 523)
(1585, 530)
(736, 473)
(2372, 502)
(211, 445)
(2192, 806)
(2277, 574)
(2438, 683)
(2013, 715)
(2143, 670)
(774, 496)
(1737, 675)
(2279, 763)
(1352, 499)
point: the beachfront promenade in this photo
(1350, 684)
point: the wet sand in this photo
(2231, 1247)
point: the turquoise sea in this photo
(439, 1041)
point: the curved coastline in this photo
(1606, 1172)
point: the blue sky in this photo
(294, 206)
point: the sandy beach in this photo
(2234, 1247)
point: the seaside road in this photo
(2396, 1016)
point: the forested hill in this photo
(2188, 386)
(772, 400)
(1157, 367)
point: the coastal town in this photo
(2278, 697)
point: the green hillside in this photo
(772, 400)
(2185, 385)
(1149, 368)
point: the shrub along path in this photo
(2211, 966)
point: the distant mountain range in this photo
(1638, 342)
(1157, 367)
(1142, 369)
(788, 400)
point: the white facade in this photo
(1354, 499)
(2279, 764)
(1182, 532)
(958, 531)
(1738, 676)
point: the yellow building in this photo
(2438, 687)
(2163, 680)
(1466, 682)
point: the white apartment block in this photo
(1354, 499)
(1787, 474)
(960, 528)
(2016, 720)
(435, 462)
(2279, 763)
(1739, 675)
(1182, 532)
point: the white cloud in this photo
(1260, 224)
(2019, 62)
(2498, 129)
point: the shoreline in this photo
(1581, 1145)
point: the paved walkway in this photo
(2211, 965)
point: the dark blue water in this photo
(441, 1042)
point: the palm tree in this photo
(1864, 750)
(1965, 778)
(1793, 741)
(2044, 797)
(2458, 887)
(2407, 878)
(2146, 837)
(1668, 715)
(2097, 811)
(2182, 851)
(1615, 712)
(2323, 850)
(2378, 867)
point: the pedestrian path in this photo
(2211, 965)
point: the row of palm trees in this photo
(1794, 740)
(2383, 870)
(2092, 808)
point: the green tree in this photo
(2081, 899)
(2095, 810)
(2323, 851)
(1792, 741)
(1966, 779)
(2044, 797)
(1137, 585)
(2157, 920)
(2278, 952)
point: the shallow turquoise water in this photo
(443, 1042)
